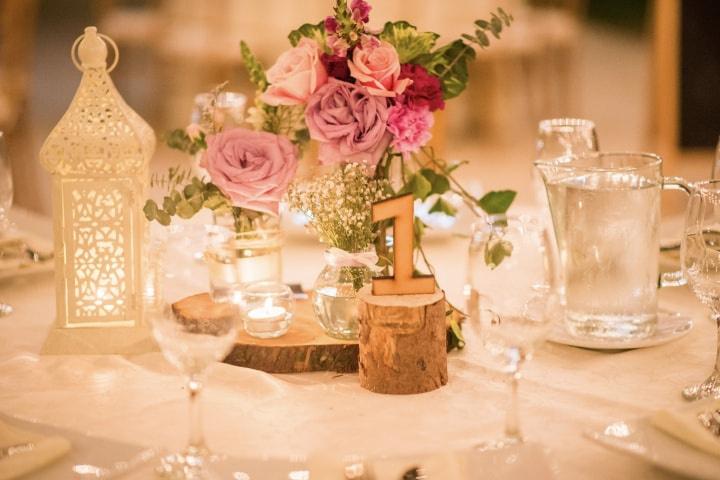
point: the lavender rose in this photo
(254, 169)
(349, 123)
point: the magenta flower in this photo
(425, 89)
(349, 123)
(360, 11)
(331, 24)
(410, 127)
(253, 169)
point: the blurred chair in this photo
(17, 18)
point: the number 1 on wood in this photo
(402, 282)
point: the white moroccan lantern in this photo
(98, 155)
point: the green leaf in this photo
(150, 210)
(214, 202)
(191, 190)
(314, 31)
(180, 140)
(497, 202)
(185, 210)
(196, 202)
(440, 183)
(408, 42)
(443, 207)
(169, 205)
(255, 70)
(496, 250)
(455, 338)
(163, 218)
(450, 65)
(418, 185)
(175, 196)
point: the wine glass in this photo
(192, 345)
(6, 199)
(716, 163)
(700, 256)
(517, 299)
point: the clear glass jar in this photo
(267, 309)
(334, 297)
(237, 258)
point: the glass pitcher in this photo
(606, 213)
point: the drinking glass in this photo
(700, 254)
(517, 299)
(558, 137)
(716, 162)
(191, 345)
(6, 199)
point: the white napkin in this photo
(683, 424)
(28, 458)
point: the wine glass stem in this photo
(196, 440)
(512, 417)
(716, 317)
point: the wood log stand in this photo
(304, 348)
(402, 342)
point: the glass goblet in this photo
(517, 301)
(700, 254)
(191, 344)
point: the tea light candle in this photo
(267, 309)
(267, 312)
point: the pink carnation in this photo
(410, 127)
(253, 169)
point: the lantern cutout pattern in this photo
(98, 155)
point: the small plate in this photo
(671, 326)
(640, 439)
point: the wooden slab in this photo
(304, 348)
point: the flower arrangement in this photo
(368, 99)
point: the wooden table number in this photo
(402, 319)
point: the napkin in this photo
(684, 425)
(44, 450)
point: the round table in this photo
(141, 399)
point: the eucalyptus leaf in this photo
(150, 210)
(169, 205)
(163, 218)
(440, 183)
(408, 42)
(184, 209)
(191, 190)
(497, 202)
(196, 202)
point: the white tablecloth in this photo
(141, 399)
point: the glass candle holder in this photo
(266, 308)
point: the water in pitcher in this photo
(606, 225)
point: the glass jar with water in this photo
(606, 213)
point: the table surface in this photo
(141, 399)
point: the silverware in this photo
(711, 420)
(11, 450)
(116, 469)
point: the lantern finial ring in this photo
(108, 40)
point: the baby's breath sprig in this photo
(338, 206)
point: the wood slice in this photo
(403, 343)
(304, 348)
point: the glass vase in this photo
(335, 301)
(238, 258)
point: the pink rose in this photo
(349, 123)
(297, 73)
(375, 64)
(410, 127)
(254, 169)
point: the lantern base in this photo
(99, 341)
